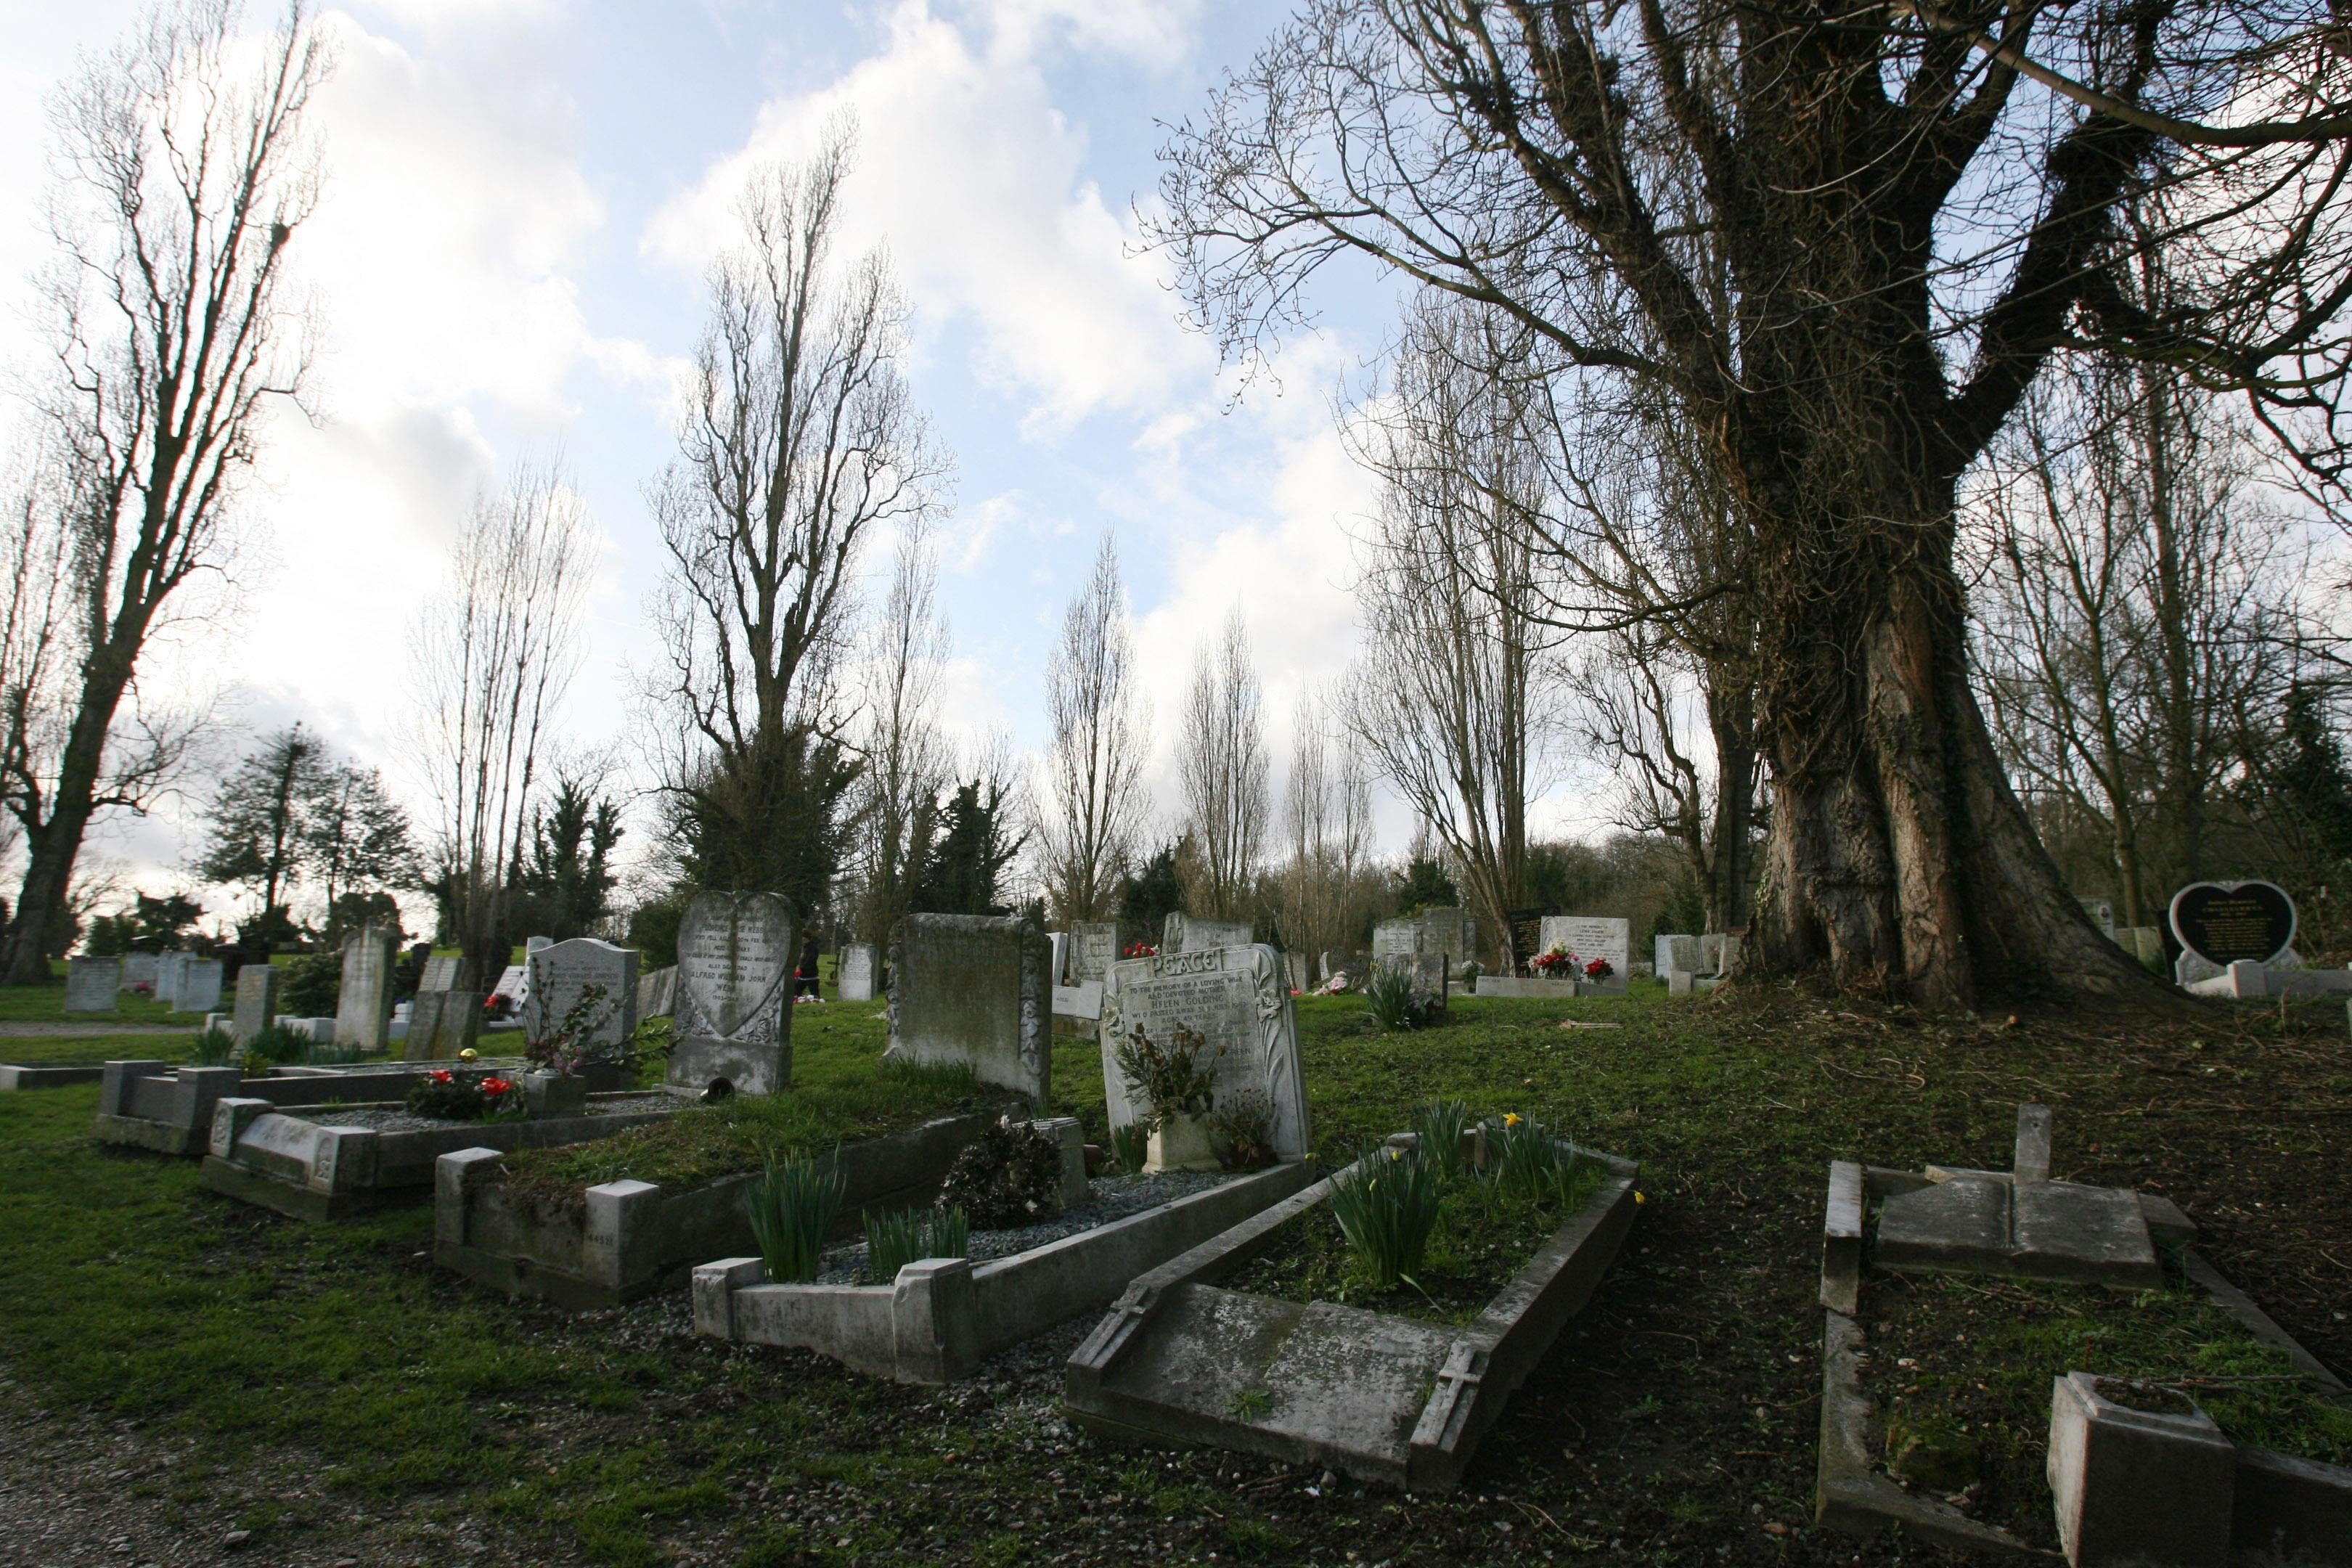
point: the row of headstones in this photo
(184, 982)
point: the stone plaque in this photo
(256, 1000)
(735, 961)
(1237, 999)
(440, 973)
(2226, 923)
(91, 983)
(1183, 933)
(364, 1013)
(561, 975)
(974, 989)
(200, 987)
(854, 975)
(1094, 948)
(1591, 937)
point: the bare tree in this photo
(800, 439)
(182, 175)
(1094, 801)
(908, 760)
(1327, 822)
(495, 653)
(1221, 758)
(1914, 207)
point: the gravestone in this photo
(735, 959)
(1526, 936)
(2102, 912)
(853, 974)
(658, 993)
(1237, 999)
(1057, 962)
(364, 1013)
(1448, 935)
(139, 969)
(1094, 948)
(2226, 923)
(1183, 933)
(1714, 952)
(441, 1023)
(562, 973)
(1294, 968)
(974, 989)
(200, 987)
(533, 945)
(1591, 937)
(256, 1001)
(440, 973)
(169, 968)
(91, 983)
(1673, 955)
(1395, 943)
(514, 983)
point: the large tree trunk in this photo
(1732, 720)
(54, 843)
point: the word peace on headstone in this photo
(1237, 999)
(2230, 922)
(735, 963)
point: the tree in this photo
(1914, 208)
(570, 880)
(968, 855)
(495, 652)
(258, 838)
(904, 755)
(355, 834)
(800, 439)
(182, 177)
(1152, 893)
(1327, 819)
(1094, 801)
(1221, 757)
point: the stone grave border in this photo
(942, 1316)
(47, 1075)
(627, 1238)
(2309, 1503)
(1488, 1362)
(311, 1169)
(169, 1109)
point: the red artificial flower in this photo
(442, 1076)
(1600, 969)
(496, 1086)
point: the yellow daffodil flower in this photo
(1511, 1118)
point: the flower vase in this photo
(1182, 1143)
(554, 1094)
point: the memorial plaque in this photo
(735, 959)
(562, 973)
(2232, 922)
(1183, 933)
(256, 1000)
(1237, 999)
(974, 989)
(1591, 937)
(364, 1013)
(853, 976)
(91, 983)
(1094, 948)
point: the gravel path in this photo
(1115, 1197)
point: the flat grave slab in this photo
(2045, 1230)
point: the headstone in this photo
(561, 975)
(1591, 937)
(200, 987)
(1057, 962)
(1673, 955)
(169, 968)
(440, 973)
(1714, 952)
(1094, 948)
(974, 989)
(533, 945)
(363, 1012)
(1449, 934)
(2102, 912)
(854, 974)
(1184, 933)
(1294, 968)
(514, 983)
(139, 969)
(2225, 923)
(441, 1025)
(256, 1000)
(1526, 938)
(735, 959)
(658, 993)
(91, 983)
(1235, 998)
(1082, 1001)
(1395, 941)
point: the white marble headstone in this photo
(561, 975)
(1238, 1000)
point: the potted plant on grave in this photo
(1176, 1086)
(572, 1063)
(1599, 969)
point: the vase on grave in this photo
(548, 1095)
(1180, 1143)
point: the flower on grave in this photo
(468, 1054)
(1512, 1119)
(1600, 969)
(496, 1086)
(1559, 963)
(443, 1075)
(1640, 1198)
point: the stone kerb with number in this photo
(974, 989)
(1237, 999)
(256, 1000)
(363, 1012)
(1094, 948)
(562, 973)
(91, 983)
(735, 960)
(1591, 937)
(1184, 934)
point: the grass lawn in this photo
(46, 1005)
(65, 1050)
(322, 1386)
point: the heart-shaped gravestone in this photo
(734, 963)
(2225, 923)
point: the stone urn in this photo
(1182, 1143)
(547, 1095)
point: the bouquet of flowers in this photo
(464, 1096)
(1140, 950)
(1560, 965)
(1600, 969)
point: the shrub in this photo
(1386, 1208)
(1009, 1175)
(216, 1047)
(1440, 1126)
(1130, 1146)
(309, 985)
(1241, 1132)
(282, 1046)
(791, 1206)
(1173, 1081)
(894, 1240)
(1397, 1003)
(465, 1097)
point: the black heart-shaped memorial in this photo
(2224, 922)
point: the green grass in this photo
(65, 1050)
(47, 1004)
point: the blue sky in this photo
(521, 195)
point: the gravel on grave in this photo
(398, 1119)
(1113, 1197)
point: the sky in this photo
(521, 198)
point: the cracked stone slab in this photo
(2048, 1230)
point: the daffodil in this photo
(1512, 1119)
(1640, 1198)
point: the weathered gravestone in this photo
(441, 1023)
(1293, 969)
(1237, 999)
(1057, 958)
(200, 987)
(1591, 937)
(658, 993)
(440, 973)
(2102, 912)
(363, 1012)
(170, 969)
(1094, 948)
(1184, 933)
(1451, 935)
(514, 983)
(562, 976)
(1673, 955)
(1396, 942)
(139, 969)
(91, 983)
(853, 974)
(974, 989)
(533, 945)
(735, 963)
(256, 1000)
